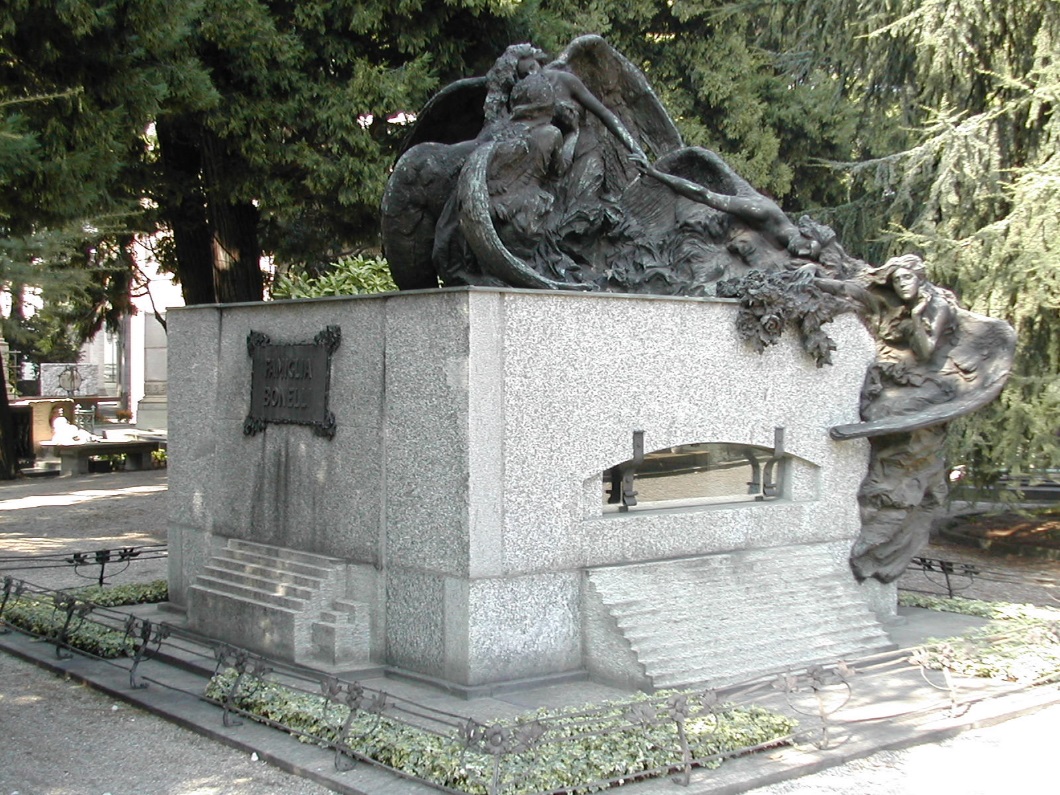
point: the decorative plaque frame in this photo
(290, 382)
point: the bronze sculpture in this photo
(538, 175)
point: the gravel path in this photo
(1015, 757)
(62, 738)
(83, 514)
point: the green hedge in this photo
(121, 595)
(40, 616)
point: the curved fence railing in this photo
(99, 565)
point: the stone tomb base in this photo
(455, 526)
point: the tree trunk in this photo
(216, 240)
(8, 455)
(237, 255)
(183, 206)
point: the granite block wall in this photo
(473, 426)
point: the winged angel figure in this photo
(536, 175)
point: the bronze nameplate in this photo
(290, 382)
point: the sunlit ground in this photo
(53, 517)
(19, 543)
(75, 497)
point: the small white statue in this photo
(63, 432)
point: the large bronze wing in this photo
(454, 114)
(625, 91)
(424, 178)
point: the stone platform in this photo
(463, 483)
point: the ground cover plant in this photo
(577, 749)
(68, 613)
(1021, 643)
(47, 616)
(122, 595)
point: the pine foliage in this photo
(958, 158)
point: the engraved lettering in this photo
(289, 369)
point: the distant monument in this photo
(627, 471)
(69, 380)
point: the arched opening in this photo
(704, 473)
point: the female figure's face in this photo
(528, 65)
(906, 284)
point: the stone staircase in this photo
(281, 602)
(722, 619)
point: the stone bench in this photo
(74, 457)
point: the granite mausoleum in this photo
(595, 451)
(456, 526)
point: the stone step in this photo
(285, 554)
(715, 675)
(733, 615)
(243, 620)
(342, 634)
(775, 619)
(810, 649)
(243, 593)
(652, 648)
(642, 590)
(661, 661)
(722, 604)
(242, 568)
(287, 565)
(264, 601)
(779, 560)
(685, 604)
(774, 611)
(345, 612)
(351, 606)
(282, 601)
(281, 586)
(656, 661)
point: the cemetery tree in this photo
(241, 128)
(959, 101)
(75, 101)
(292, 158)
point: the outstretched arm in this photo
(758, 211)
(588, 100)
(864, 300)
(698, 193)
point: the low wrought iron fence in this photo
(946, 576)
(88, 565)
(667, 734)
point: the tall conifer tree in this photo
(973, 86)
